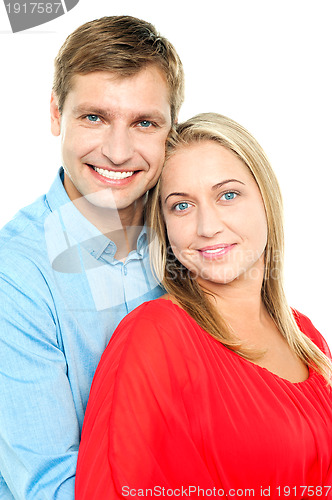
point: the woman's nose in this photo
(209, 221)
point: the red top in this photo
(171, 407)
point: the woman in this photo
(219, 388)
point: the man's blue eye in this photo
(92, 118)
(145, 123)
(229, 196)
(181, 206)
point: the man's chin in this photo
(101, 199)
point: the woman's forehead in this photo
(204, 159)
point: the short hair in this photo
(180, 283)
(120, 44)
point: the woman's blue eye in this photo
(145, 123)
(229, 196)
(92, 118)
(181, 206)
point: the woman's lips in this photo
(216, 251)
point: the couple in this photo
(215, 384)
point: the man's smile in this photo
(116, 177)
(112, 174)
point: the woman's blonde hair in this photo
(179, 282)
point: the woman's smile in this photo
(215, 251)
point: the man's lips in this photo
(113, 174)
(215, 251)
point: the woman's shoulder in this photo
(159, 312)
(151, 320)
(306, 326)
(153, 338)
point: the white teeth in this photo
(215, 250)
(111, 174)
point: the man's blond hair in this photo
(123, 45)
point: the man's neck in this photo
(120, 226)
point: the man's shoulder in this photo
(25, 222)
(21, 239)
(27, 226)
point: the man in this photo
(75, 262)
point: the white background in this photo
(264, 63)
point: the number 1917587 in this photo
(307, 491)
(33, 8)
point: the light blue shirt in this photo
(62, 294)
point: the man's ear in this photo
(55, 116)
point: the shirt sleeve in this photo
(137, 432)
(39, 432)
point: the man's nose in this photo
(117, 145)
(209, 221)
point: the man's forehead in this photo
(111, 76)
(150, 74)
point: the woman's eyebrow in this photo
(216, 186)
(220, 184)
(175, 194)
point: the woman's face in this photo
(214, 214)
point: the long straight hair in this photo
(178, 280)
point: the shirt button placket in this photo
(124, 272)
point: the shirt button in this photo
(125, 270)
(110, 249)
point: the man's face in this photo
(113, 132)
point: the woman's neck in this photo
(241, 305)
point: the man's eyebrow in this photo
(216, 186)
(151, 115)
(86, 109)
